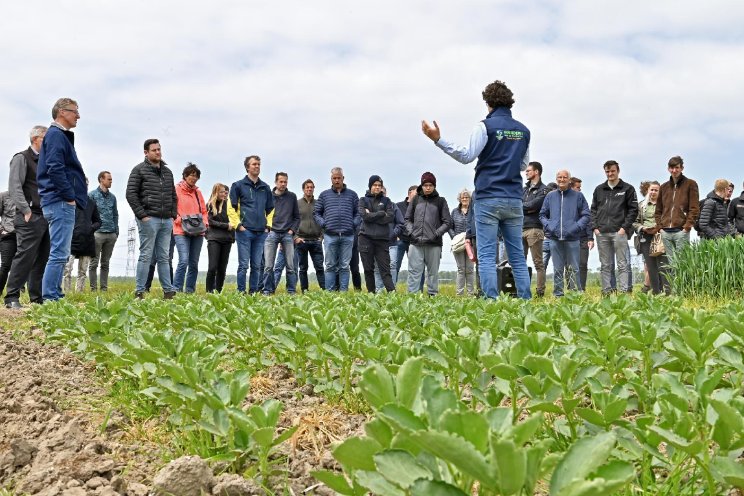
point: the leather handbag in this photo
(193, 225)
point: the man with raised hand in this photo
(252, 200)
(532, 230)
(107, 234)
(564, 216)
(337, 214)
(285, 221)
(614, 209)
(151, 193)
(62, 189)
(677, 207)
(31, 228)
(501, 145)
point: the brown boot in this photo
(169, 295)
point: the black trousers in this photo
(219, 254)
(31, 257)
(371, 251)
(7, 252)
(655, 265)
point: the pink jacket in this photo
(189, 205)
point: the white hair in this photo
(337, 170)
(37, 131)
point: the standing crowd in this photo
(48, 219)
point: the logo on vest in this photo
(499, 134)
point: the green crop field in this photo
(578, 396)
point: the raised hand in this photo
(431, 131)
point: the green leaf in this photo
(335, 481)
(356, 453)
(591, 416)
(512, 465)
(401, 418)
(377, 386)
(691, 447)
(469, 424)
(435, 488)
(729, 415)
(616, 470)
(380, 431)
(377, 483)
(408, 381)
(581, 459)
(525, 430)
(730, 470)
(400, 467)
(459, 453)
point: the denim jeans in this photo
(104, 249)
(189, 249)
(379, 285)
(250, 250)
(273, 240)
(61, 218)
(505, 216)
(565, 256)
(611, 247)
(315, 250)
(546, 253)
(155, 240)
(338, 250)
(674, 241)
(401, 250)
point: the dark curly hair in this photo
(497, 94)
(191, 168)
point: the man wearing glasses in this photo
(62, 187)
(614, 209)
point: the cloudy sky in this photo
(312, 85)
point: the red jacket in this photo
(190, 202)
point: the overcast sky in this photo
(312, 85)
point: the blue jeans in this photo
(565, 256)
(189, 249)
(250, 250)
(61, 218)
(338, 250)
(504, 215)
(155, 242)
(614, 247)
(273, 240)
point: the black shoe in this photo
(15, 305)
(139, 295)
(169, 295)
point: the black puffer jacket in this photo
(714, 217)
(219, 224)
(87, 222)
(377, 216)
(428, 218)
(533, 197)
(736, 213)
(151, 191)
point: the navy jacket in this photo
(498, 172)
(254, 201)
(60, 174)
(337, 212)
(286, 213)
(565, 215)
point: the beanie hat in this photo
(373, 180)
(428, 177)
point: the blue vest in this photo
(497, 174)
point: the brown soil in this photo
(59, 436)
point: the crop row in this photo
(626, 395)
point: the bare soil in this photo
(59, 435)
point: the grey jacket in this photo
(428, 218)
(7, 213)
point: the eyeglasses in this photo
(76, 112)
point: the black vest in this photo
(30, 186)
